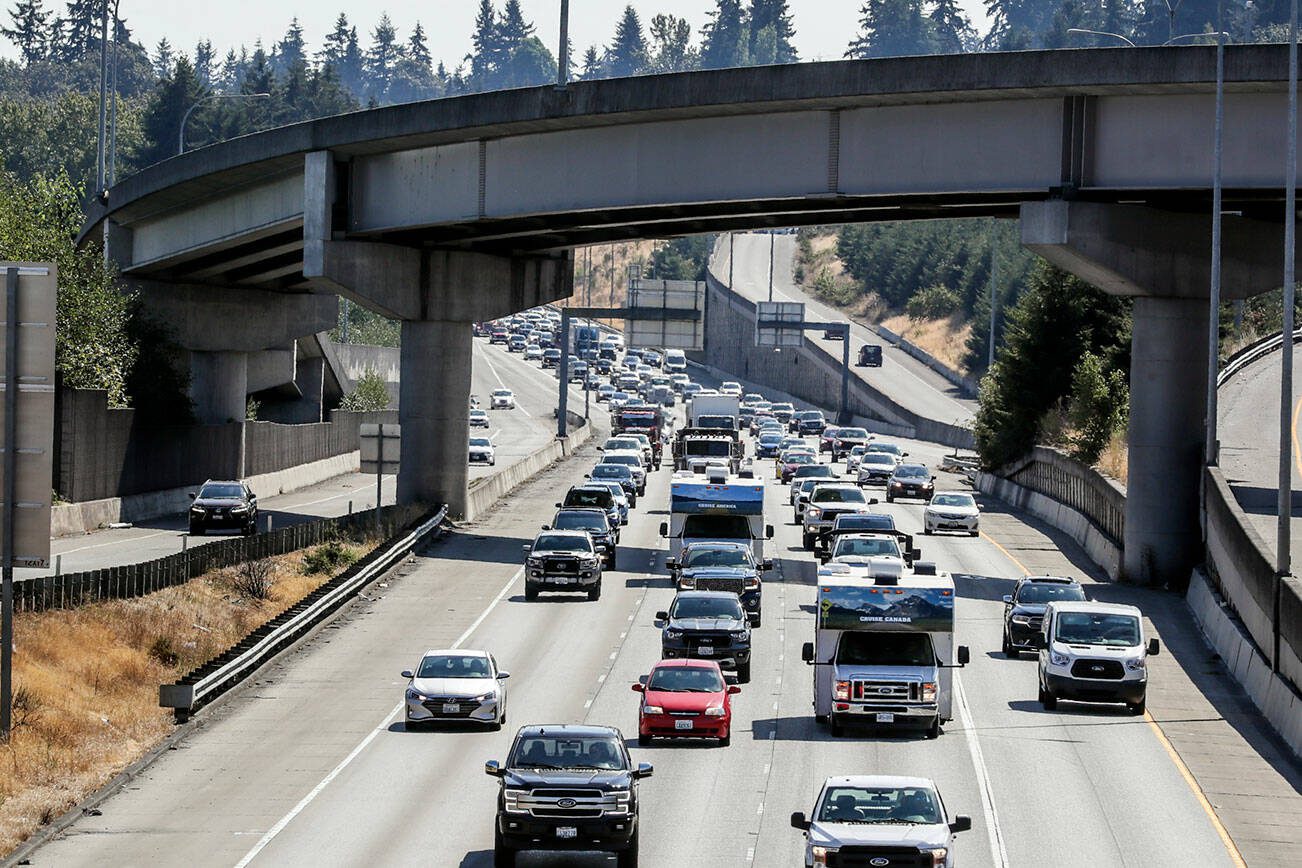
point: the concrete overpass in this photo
(445, 212)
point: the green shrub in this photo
(370, 394)
(327, 558)
(934, 302)
(1099, 406)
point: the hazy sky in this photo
(823, 27)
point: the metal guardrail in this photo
(1252, 353)
(212, 679)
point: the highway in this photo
(309, 765)
(515, 434)
(901, 377)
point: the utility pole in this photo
(994, 282)
(1283, 542)
(1214, 296)
(772, 236)
(563, 57)
(113, 106)
(103, 99)
(732, 238)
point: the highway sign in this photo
(381, 447)
(779, 324)
(651, 327)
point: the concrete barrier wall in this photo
(967, 384)
(486, 491)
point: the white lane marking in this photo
(760, 809)
(601, 678)
(587, 704)
(361, 746)
(750, 854)
(119, 542)
(998, 850)
(614, 654)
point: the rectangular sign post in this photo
(381, 453)
(663, 307)
(28, 381)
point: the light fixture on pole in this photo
(180, 142)
(1283, 543)
(1214, 301)
(1087, 32)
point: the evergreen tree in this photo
(382, 58)
(774, 17)
(592, 66)
(341, 51)
(726, 37)
(30, 30)
(513, 30)
(172, 97)
(951, 28)
(627, 54)
(164, 58)
(671, 45)
(413, 78)
(488, 53)
(204, 56)
(529, 64)
(892, 28)
(79, 30)
(290, 50)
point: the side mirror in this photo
(964, 655)
(662, 616)
(527, 548)
(1008, 599)
(768, 531)
(643, 770)
(638, 688)
(872, 501)
(601, 448)
(407, 673)
(664, 528)
(493, 768)
(1037, 641)
(807, 652)
(587, 476)
(1154, 647)
(558, 506)
(962, 823)
(766, 565)
(798, 821)
(191, 495)
(904, 455)
(752, 618)
(824, 557)
(933, 479)
(733, 689)
(546, 527)
(502, 676)
(914, 554)
(671, 563)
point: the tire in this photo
(503, 856)
(1047, 700)
(758, 619)
(838, 731)
(743, 673)
(1137, 708)
(613, 563)
(627, 858)
(643, 740)
(196, 530)
(495, 726)
(933, 731)
(725, 739)
(594, 593)
(808, 541)
(926, 531)
(890, 498)
(632, 501)
(530, 591)
(820, 718)
(1009, 651)
(974, 533)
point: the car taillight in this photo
(929, 691)
(842, 690)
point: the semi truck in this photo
(647, 419)
(883, 649)
(710, 409)
(695, 449)
(716, 506)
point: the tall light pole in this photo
(1283, 544)
(1214, 296)
(563, 56)
(103, 99)
(994, 282)
(180, 142)
(113, 105)
(1087, 32)
(772, 236)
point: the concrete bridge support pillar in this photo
(219, 386)
(433, 408)
(1163, 260)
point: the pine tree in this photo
(290, 50)
(951, 28)
(488, 54)
(382, 57)
(204, 55)
(892, 28)
(671, 44)
(172, 97)
(342, 52)
(30, 31)
(726, 37)
(765, 14)
(164, 58)
(79, 30)
(513, 30)
(418, 48)
(413, 77)
(627, 54)
(592, 66)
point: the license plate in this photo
(562, 580)
(885, 717)
(705, 650)
(451, 708)
(567, 832)
(684, 724)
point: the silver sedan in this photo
(456, 685)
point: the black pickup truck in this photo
(567, 788)
(707, 625)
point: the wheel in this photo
(725, 739)
(820, 718)
(594, 593)
(196, 530)
(643, 740)
(809, 540)
(755, 624)
(1047, 700)
(613, 562)
(492, 463)
(495, 726)
(890, 498)
(641, 492)
(627, 858)
(927, 531)
(974, 533)
(838, 730)
(1009, 651)
(743, 673)
(503, 856)
(933, 731)
(632, 501)
(251, 528)
(1136, 708)
(530, 591)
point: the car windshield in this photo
(881, 458)
(1097, 628)
(480, 441)
(220, 489)
(588, 497)
(800, 457)
(807, 485)
(839, 495)
(580, 521)
(768, 438)
(1050, 592)
(726, 557)
(885, 649)
(884, 447)
(546, 751)
(501, 393)
(716, 527)
(953, 500)
(626, 460)
(891, 805)
(615, 444)
(555, 542)
(706, 607)
(709, 448)
(814, 471)
(478, 414)
(853, 434)
(454, 666)
(611, 471)
(911, 471)
(685, 679)
(874, 521)
(866, 547)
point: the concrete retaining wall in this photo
(967, 384)
(486, 491)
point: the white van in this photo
(675, 362)
(1094, 652)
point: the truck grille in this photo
(863, 857)
(561, 566)
(1110, 670)
(569, 803)
(715, 640)
(721, 583)
(884, 691)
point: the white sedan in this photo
(951, 510)
(481, 450)
(478, 419)
(503, 399)
(731, 388)
(456, 685)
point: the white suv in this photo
(1094, 652)
(826, 502)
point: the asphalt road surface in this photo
(310, 764)
(901, 377)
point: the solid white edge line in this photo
(998, 851)
(361, 746)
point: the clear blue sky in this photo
(823, 27)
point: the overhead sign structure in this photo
(27, 423)
(652, 326)
(780, 324)
(381, 446)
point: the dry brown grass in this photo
(945, 338)
(1113, 461)
(90, 679)
(609, 274)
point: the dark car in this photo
(562, 560)
(707, 625)
(596, 522)
(846, 439)
(551, 357)
(766, 445)
(621, 473)
(224, 505)
(567, 787)
(499, 335)
(1024, 608)
(594, 496)
(870, 356)
(809, 422)
(867, 522)
(910, 480)
(710, 565)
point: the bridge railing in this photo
(1054, 474)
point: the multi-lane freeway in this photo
(311, 764)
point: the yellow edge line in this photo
(1297, 450)
(1189, 779)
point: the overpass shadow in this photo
(1259, 500)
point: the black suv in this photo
(562, 560)
(707, 625)
(567, 788)
(224, 504)
(593, 520)
(1024, 609)
(592, 495)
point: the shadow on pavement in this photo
(805, 728)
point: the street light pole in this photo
(103, 99)
(1214, 302)
(180, 141)
(772, 236)
(113, 105)
(1283, 552)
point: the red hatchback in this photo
(685, 699)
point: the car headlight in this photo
(197, 510)
(813, 512)
(714, 711)
(741, 635)
(623, 802)
(652, 709)
(235, 509)
(842, 691)
(412, 693)
(1057, 659)
(533, 561)
(752, 583)
(484, 697)
(821, 853)
(511, 801)
(928, 691)
(687, 583)
(1022, 619)
(1137, 664)
(591, 563)
(673, 634)
(938, 855)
